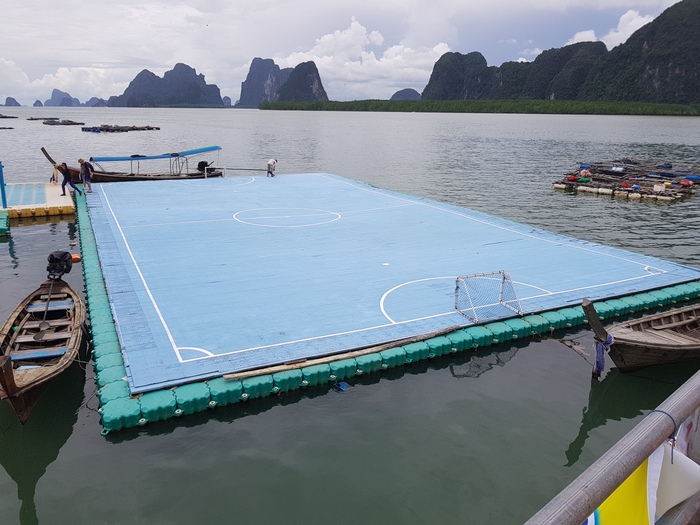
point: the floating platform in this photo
(4, 223)
(107, 128)
(38, 199)
(209, 292)
(65, 122)
(632, 179)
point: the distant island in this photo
(656, 72)
(659, 63)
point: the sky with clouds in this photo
(363, 48)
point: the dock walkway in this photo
(37, 199)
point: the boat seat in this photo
(683, 322)
(53, 296)
(40, 306)
(54, 323)
(658, 337)
(48, 336)
(40, 353)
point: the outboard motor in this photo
(202, 166)
(59, 263)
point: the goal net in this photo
(485, 296)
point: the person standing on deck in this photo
(67, 179)
(86, 174)
(271, 167)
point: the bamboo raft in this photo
(632, 179)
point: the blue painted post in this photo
(2, 188)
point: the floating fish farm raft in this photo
(109, 128)
(632, 179)
(309, 280)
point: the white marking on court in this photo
(493, 224)
(287, 214)
(196, 349)
(175, 223)
(452, 278)
(246, 179)
(143, 281)
(310, 339)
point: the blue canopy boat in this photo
(179, 166)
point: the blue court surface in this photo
(26, 194)
(209, 277)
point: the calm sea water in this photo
(483, 438)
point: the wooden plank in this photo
(53, 323)
(302, 363)
(683, 322)
(41, 353)
(53, 305)
(678, 339)
(48, 336)
(598, 329)
(53, 296)
(651, 338)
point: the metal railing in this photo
(584, 495)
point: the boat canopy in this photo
(186, 153)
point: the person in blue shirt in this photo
(86, 174)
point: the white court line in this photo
(452, 278)
(547, 293)
(314, 213)
(177, 223)
(308, 339)
(245, 182)
(143, 281)
(387, 193)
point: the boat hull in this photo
(631, 357)
(667, 337)
(115, 176)
(31, 356)
(103, 176)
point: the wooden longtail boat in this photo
(41, 338)
(668, 337)
(178, 167)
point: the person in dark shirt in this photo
(67, 179)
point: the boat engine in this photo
(59, 263)
(202, 166)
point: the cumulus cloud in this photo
(583, 36)
(526, 55)
(353, 67)
(629, 23)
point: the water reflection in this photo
(11, 250)
(479, 364)
(27, 450)
(626, 396)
